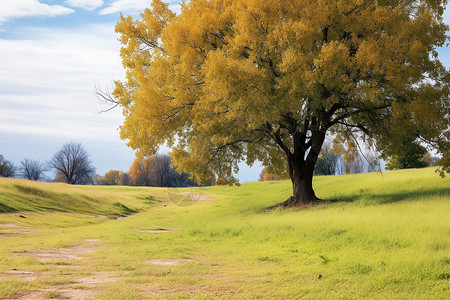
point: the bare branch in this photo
(105, 97)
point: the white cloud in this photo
(11, 9)
(134, 6)
(125, 5)
(85, 4)
(46, 82)
(46, 98)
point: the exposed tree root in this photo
(291, 202)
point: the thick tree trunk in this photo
(302, 190)
(301, 171)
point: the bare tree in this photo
(125, 178)
(180, 180)
(7, 168)
(72, 164)
(162, 166)
(32, 169)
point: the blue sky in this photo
(52, 55)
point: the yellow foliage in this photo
(232, 80)
(142, 171)
(112, 177)
(266, 176)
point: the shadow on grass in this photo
(5, 208)
(368, 198)
(371, 198)
(124, 209)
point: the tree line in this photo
(157, 171)
(71, 164)
(348, 159)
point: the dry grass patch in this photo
(80, 288)
(22, 275)
(155, 230)
(9, 229)
(168, 262)
(60, 254)
(151, 290)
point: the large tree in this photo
(244, 80)
(72, 164)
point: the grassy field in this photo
(388, 237)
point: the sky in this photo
(53, 54)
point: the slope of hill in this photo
(379, 236)
(28, 196)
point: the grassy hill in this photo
(29, 196)
(388, 237)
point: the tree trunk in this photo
(302, 190)
(301, 171)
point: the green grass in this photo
(388, 237)
(28, 196)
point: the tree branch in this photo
(105, 97)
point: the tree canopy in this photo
(227, 81)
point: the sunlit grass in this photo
(388, 237)
(29, 196)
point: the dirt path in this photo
(78, 287)
(8, 229)
(68, 278)
(81, 288)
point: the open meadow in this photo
(388, 237)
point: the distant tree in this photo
(162, 165)
(96, 178)
(142, 171)
(32, 169)
(265, 175)
(182, 179)
(406, 154)
(373, 162)
(7, 168)
(158, 171)
(327, 162)
(431, 161)
(111, 177)
(72, 165)
(61, 178)
(124, 178)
